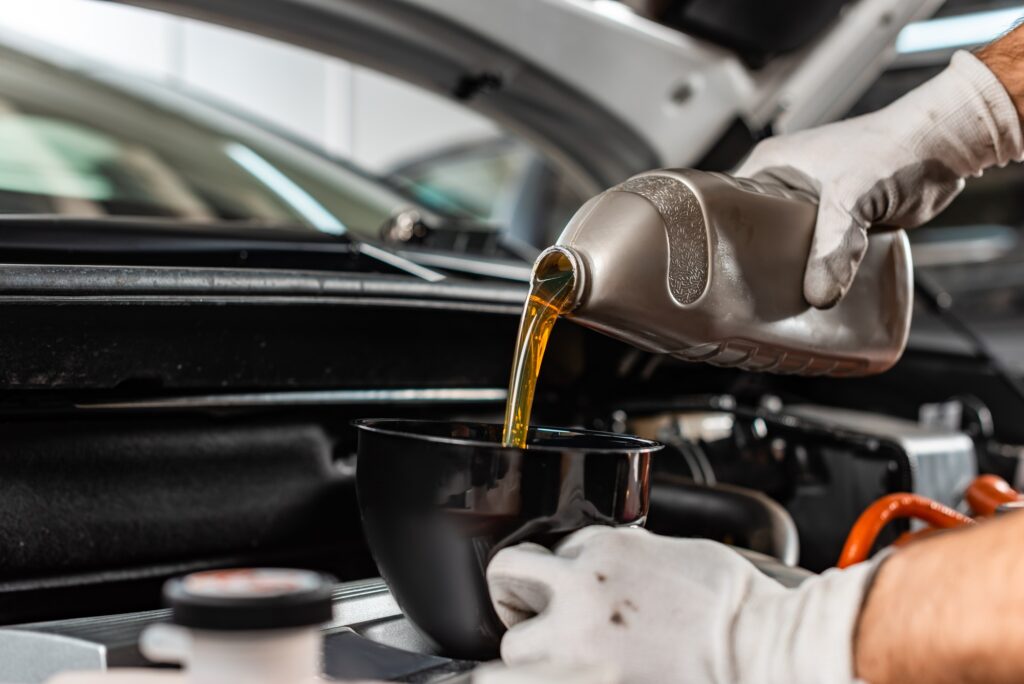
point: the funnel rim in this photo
(628, 443)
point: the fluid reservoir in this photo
(239, 626)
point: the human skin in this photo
(1005, 57)
(949, 609)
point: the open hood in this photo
(544, 69)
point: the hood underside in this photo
(428, 50)
(603, 91)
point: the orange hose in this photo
(987, 493)
(891, 507)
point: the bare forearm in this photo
(948, 609)
(1005, 57)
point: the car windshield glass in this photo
(84, 145)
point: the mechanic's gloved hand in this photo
(899, 166)
(664, 610)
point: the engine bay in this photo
(178, 431)
(172, 399)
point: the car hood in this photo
(542, 68)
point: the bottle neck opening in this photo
(557, 276)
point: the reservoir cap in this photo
(245, 599)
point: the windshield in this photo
(86, 145)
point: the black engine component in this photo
(93, 503)
(824, 465)
(733, 515)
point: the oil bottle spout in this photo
(562, 268)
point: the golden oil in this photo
(552, 291)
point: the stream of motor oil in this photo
(551, 293)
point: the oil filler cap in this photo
(245, 599)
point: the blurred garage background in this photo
(384, 125)
(389, 127)
(348, 110)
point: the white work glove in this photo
(663, 610)
(899, 166)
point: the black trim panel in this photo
(42, 282)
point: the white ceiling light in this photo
(960, 31)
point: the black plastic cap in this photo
(246, 599)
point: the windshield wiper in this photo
(400, 262)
